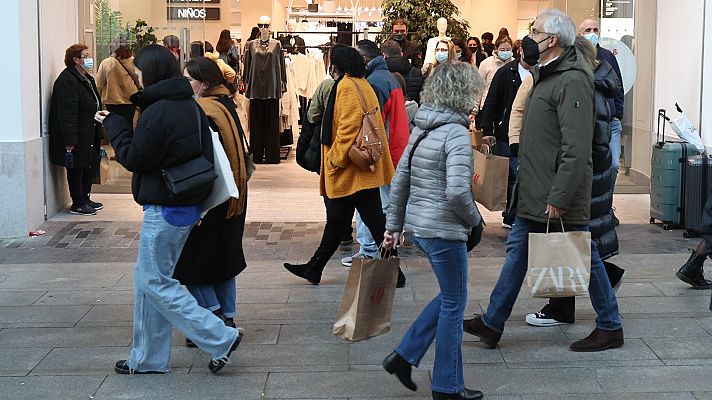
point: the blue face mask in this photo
(593, 38)
(88, 63)
(505, 55)
(441, 57)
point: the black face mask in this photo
(530, 48)
(398, 37)
(473, 49)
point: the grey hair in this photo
(556, 22)
(457, 86)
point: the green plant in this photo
(422, 16)
(108, 28)
(140, 35)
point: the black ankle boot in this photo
(310, 271)
(401, 279)
(692, 273)
(396, 365)
(466, 394)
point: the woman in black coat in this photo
(602, 226)
(74, 135)
(692, 271)
(213, 255)
(171, 131)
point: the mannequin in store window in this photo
(433, 42)
(265, 79)
(293, 43)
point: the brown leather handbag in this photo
(368, 147)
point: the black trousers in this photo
(125, 110)
(80, 181)
(349, 231)
(340, 212)
(564, 308)
(264, 130)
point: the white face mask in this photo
(592, 37)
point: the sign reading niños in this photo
(193, 1)
(189, 13)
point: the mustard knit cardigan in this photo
(339, 176)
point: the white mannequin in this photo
(433, 42)
(264, 32)
(292, 25)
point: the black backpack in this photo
(309, 145)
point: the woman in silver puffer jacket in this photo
(433, 179)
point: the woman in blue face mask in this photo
(444, 54)
(74, 136)
(502, 54)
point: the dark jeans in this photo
(80, 181)
(564, 308)
(264, 130)
(501, 148)
(340, 212)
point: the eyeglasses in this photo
(534, 31)
(263, 25)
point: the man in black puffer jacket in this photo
(397, 63)
(603, 225)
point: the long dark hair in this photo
(466, 55)
(254, 34)
(156, 63)
(205, 70)
(224, 43)
(347, 60)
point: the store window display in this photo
(293, 43)
(265, 80)
(433, 42)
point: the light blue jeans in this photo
(616, 130)
(368, 246)
(161, 302)
(442, 318)
(510, 281)
(217, 296)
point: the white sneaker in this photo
(542, 320)
(506, 226)
(347, 261)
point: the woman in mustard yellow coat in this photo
(344, 185)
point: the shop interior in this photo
(306, 30)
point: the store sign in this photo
(193, 1)
(189, 13)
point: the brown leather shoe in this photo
(475, 327)
(599, 340)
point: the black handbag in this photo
(192, 177)
(475, 235)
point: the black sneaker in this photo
(542, 319)
(216, 365)
(122, 367)
(83, 210)
(95, 205)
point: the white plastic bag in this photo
(224, 186)
(686, 131)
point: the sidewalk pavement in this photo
(66, 310)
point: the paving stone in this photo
(644, 328)
(101, 360)
(309, 385)
(616, 396)
(109, 313)
(226, 385)
(49, 387)
(679, 288)
(658, 305)
(499, 380)
(61, 276)
(655, 379)
(298, 334)
(638, 289)
(703, 395)
(19, 298)
(19, 361)
(65, 337)
(260, 296)
(545, 353)
(84, 297)
(682, 348)
(15, 317)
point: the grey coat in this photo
(437, 188)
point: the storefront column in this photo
(21, 155)
(706, 119)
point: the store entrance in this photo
(134, 24)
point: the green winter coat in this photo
(555, 149)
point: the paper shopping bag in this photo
(559, 264)
(489, 183)
(102, 172)
(475, 137)
(367, 302)
(224, 186)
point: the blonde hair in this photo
(457, 86)
(450, 51)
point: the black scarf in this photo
(328, 120)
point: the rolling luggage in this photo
(667, 186)
(698, 180)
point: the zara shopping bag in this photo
(559, 263)
(367, 303)
(489, 183)
(224, 186)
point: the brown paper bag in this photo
(475, 137)
(489, 183)
(102, 174)
(367, 302)
(559, 264)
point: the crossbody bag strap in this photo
(130, 75)
(200, 126)
(415, 144)
(361, 96)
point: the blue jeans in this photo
(161, 302)
(363, 235)
(217, 296)
(616, 130)
(515, 269)
(502, 149)
(442, 318)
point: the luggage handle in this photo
(661, 115)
